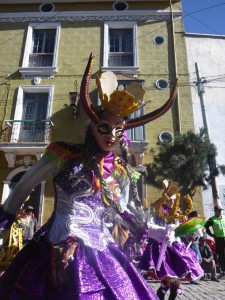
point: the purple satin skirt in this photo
(178, 262)
(93, 275)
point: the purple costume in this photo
(179, 262)
(98, 268)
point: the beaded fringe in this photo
(59, 153)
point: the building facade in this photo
(206, 60)
(44, 50)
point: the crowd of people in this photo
(88, 247)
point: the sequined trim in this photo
(61, 152)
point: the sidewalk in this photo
(206, 290)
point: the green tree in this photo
(190, 161)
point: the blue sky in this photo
(206, 16)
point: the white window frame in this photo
(20, 101)
(122, 69)
(133, 130)
(27, 71)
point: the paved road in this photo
(206, 290)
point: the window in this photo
(158, 40)
(138, 133)
(161, 84)
(120, 5)
(47, 7)
(120, 47)
(166, 137)
(32, 116)
(42, 48)
(40, 55)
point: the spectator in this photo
(210, 241)
(192, 241)
(217, 223)
(208, 263)
(193, 213)
(30, 224)
(194, 238)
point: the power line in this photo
(200, 10)
(57, 13)
(188, 14)
(215, 87)
(203, 9)
(140, 37)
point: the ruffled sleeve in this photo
(54, 159)
(60, 153)
(39, 172)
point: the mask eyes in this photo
(119, 133)
(105, 129)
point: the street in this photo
(206, 290)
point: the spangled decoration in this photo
(118, 101)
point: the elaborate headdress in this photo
(118, 101)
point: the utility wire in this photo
(188, 14)
(140, 37)
(200, 10)
(57, 13)
(203, 9)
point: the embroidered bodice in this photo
(79, 209)
(79, 206)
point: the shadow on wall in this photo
(66, 128)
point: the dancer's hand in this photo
(60, 259)
(170, 238)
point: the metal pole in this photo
(201, 91)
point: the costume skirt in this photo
(93, 275)
(178, 262)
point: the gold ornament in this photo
(168, 207)
(119, 101)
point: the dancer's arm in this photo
(39, 172)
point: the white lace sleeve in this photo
(156, 232)
(43, 169)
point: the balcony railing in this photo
(40, 60)
(27, 131)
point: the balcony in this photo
(27, 131)
(25, 137)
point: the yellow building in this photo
(44, 51)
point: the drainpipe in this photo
(175, 69)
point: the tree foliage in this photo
(190, 161)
